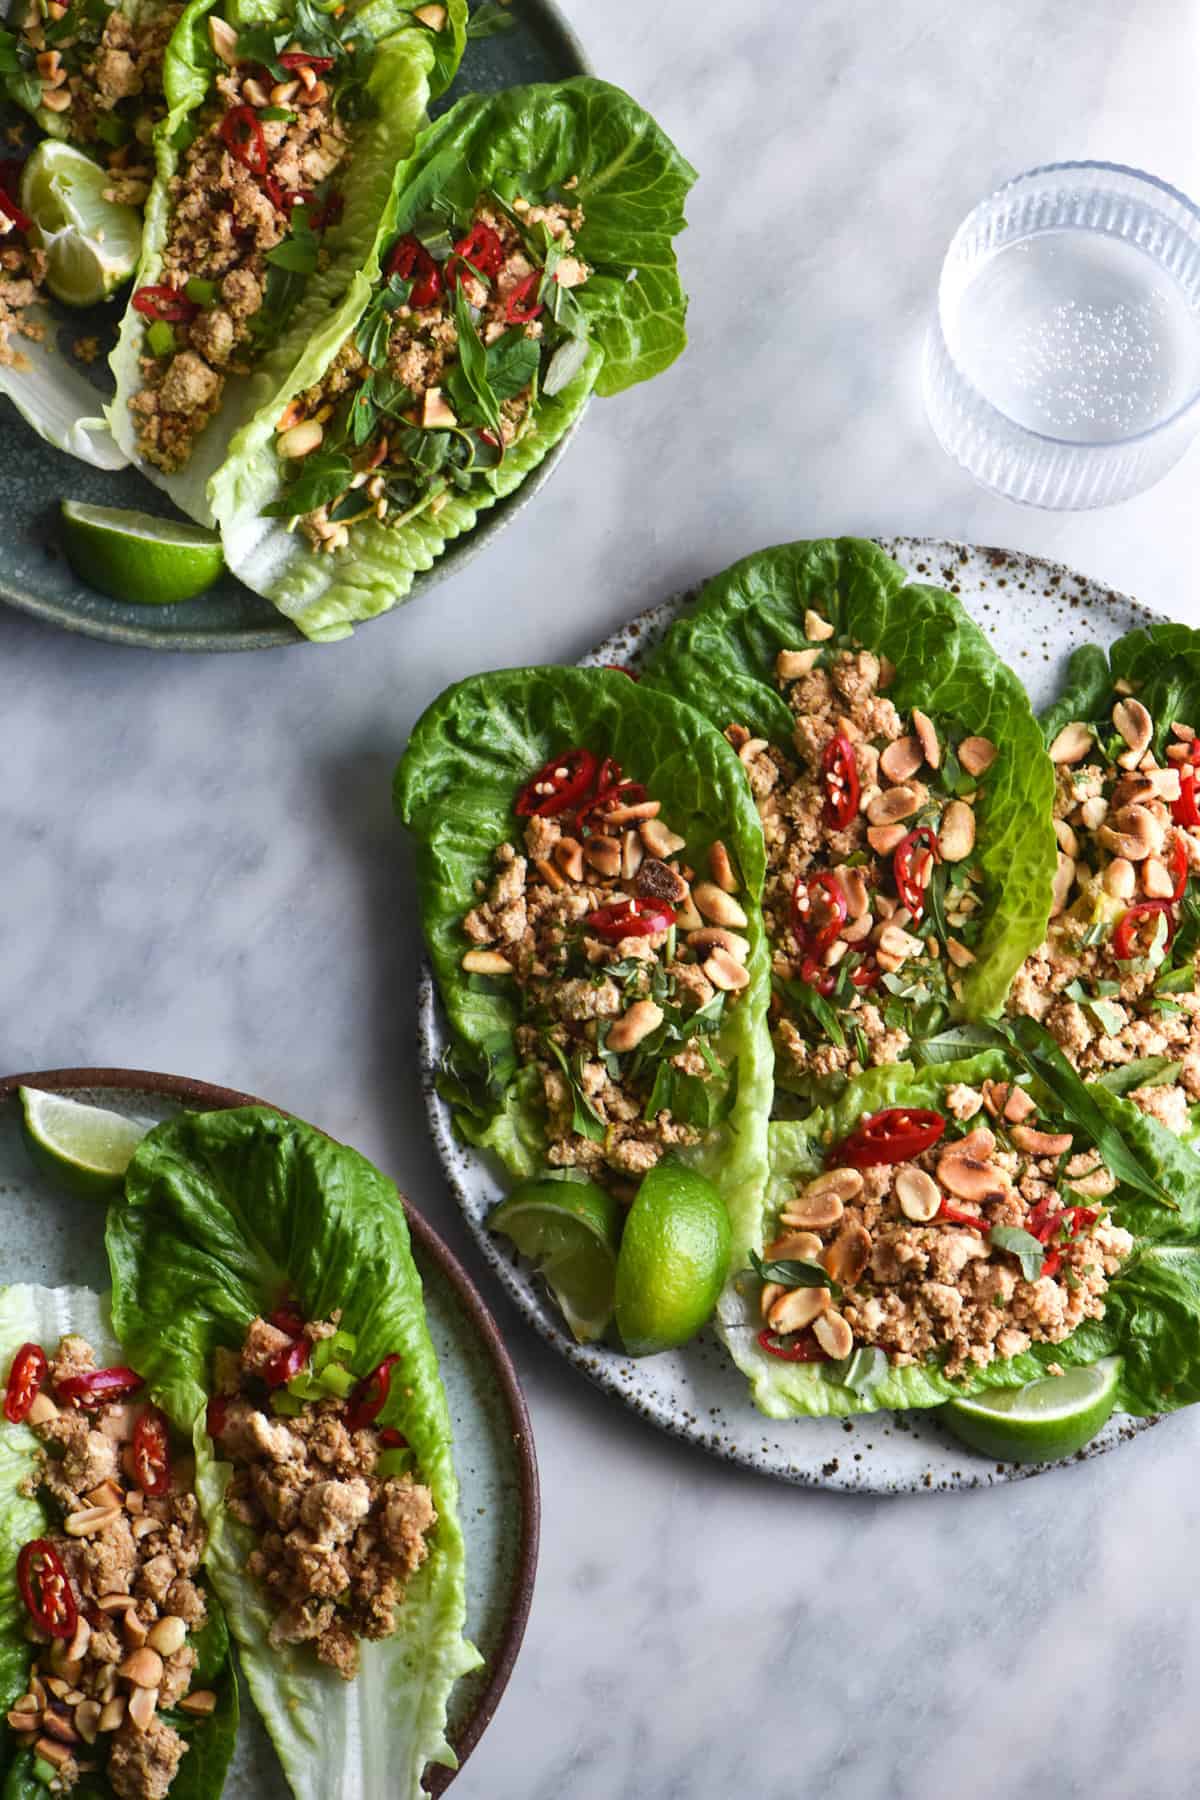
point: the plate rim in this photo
(205, 1096)
(279, 633)
(430, 1018)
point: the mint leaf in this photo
(1023, 1245)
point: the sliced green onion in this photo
(341, 1346)
(305, 1387)
(393, 1462)
(337, 1380)
(288, 1406)
(201, 293)
(43, 1771)
(160, 339)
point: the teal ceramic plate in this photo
(52, 1238)
(34, 477)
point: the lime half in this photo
(84, 1147)
(91, 245)
(673, 1260)
(134, 556)
(1041, 1422)
(570, 1229)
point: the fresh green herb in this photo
(1146, 1071)
(491, 18)
(565, 365)
(471, 370)
(793, 1272)
(585, 1120)
(512, 363)
(323, 476)
(1023, 1245)
(804, 998)
(298, 251)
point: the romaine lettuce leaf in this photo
(223, 1211)
(1160, 662)
(1152, 1317)
(53, 394)
(721, 658)
(631, 183)
(399, 88)
(468, 756)
(42, 1315)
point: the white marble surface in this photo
(200, 873)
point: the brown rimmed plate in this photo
(51, 1237)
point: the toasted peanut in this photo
(847, 1257)
(28, 1704)
(895, 946)
(1072, 743)
(721, 868)
(1120, 878)
(846, 1183)
(1041, 1143)
(1094, 811)
(41, 1411)
(959, 955)
(813, 1212)
(1164, 784)
(133, 1628)
(917, 1193)
(884, 838)
(300, 440)
(894, 804)
(716, 937)
(719, 907)
(833, 1334)
(956, 834)
(804, 1246)
(816, 628)
(797, 1308)
(1137, 728)
(114, 1603)
(970, 1177)
(603, 854)
(1157, 880)
(433, 17)
(81, 1637)
(167, 1635)
(635, 1023)
(977, 754)
(142, 1704)
(201, 1702)
(112, 1713)
(549, 874)
(1060, 892)
(855, 930)
(48, 65)
(87, 1720)
(1010, 1100)
(56, 1687)
(791, 664)
(858, 900)
(927, 737)
(660, 841)
(52, 1752)
(751, 749)
(224, 40)
(1136, 835)
(56, 99)
(486, 962)
(771, 1292)
(254, 93)
(1067, 841)
(284, 92)
(107, 1494)
(901, 759)
(831, 957)
(144, 1667)
(634, 813)
(568, 856)
(91, 1519)
(725, 972)
(632, 854)
(686, 916)
(436, 411)
(24, 1721)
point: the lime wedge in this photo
(673, 1259)
(1041, 1422)
(91, 245)
(134, 556)
(570, 1229)
(85, 1148)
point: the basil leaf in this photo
(584, 1118)
(1023, 1245)
(1147, 1071)
(1038, 1053)
(321, 479)
(512, 363)
(793, 1272)
(472, 360)
(955, 1043)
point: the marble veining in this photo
(201, 873)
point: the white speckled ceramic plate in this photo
(50, 1237)
(1035, 612)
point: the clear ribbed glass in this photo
(1062, 368)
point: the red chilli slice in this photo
(839, 778)
(369, 1397)
(630, 918)
(802, 1348)
(166, 303)
(152, 1452)
(286, 1363)
(897, 1134)
(45, 1589)
(517, 311)
(244, 138)
(561, 785)
(411, 261)
(96, 1387)
(25, 1382)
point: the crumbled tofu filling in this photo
(909, 1244)
(131, 1559)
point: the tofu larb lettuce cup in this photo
(938, 1233)
(114, 1656)
(262, 1277)
(1115, 984)
(903, 789)
(273, 169)
(590, 863)
(526, 261)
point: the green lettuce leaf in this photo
(221, 1212)
(1152, 1317)
(55, 397)
(398, 86)
(468, 756)
(721, 657)
(1160, 662)
(448, 44)
(632, 184)
(42, 1315)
